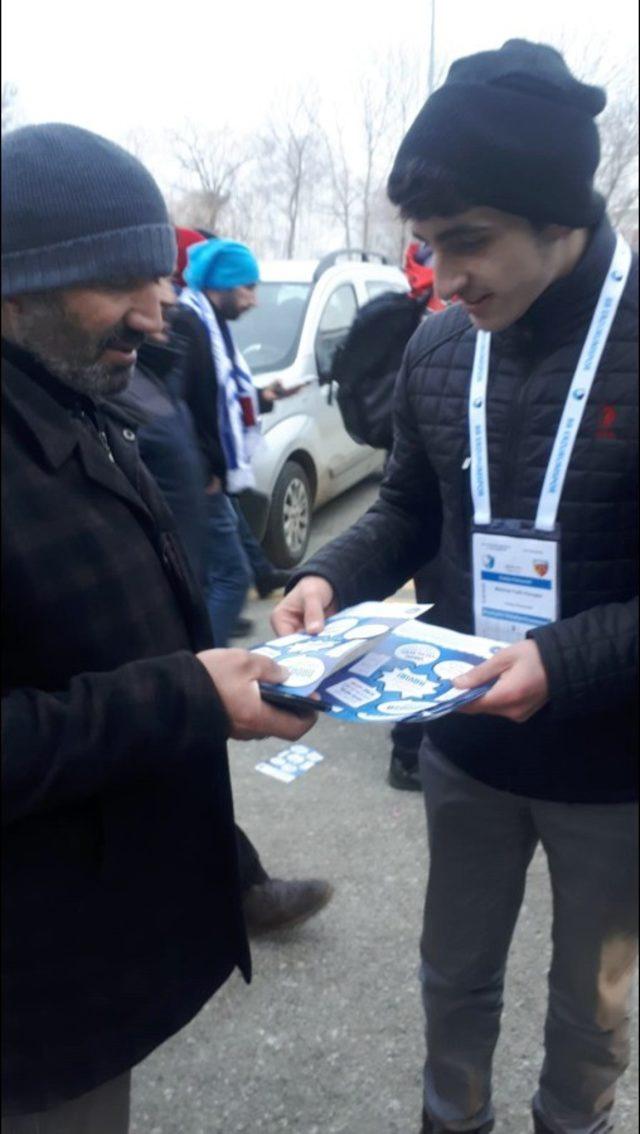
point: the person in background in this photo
(225, 407)
(418, 268)
(267, 578)
(365, 369)
(152, 406)
(185, 237)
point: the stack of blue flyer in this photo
(375, 662)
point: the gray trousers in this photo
(481, 843)
(103, 1111)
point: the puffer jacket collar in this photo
(562, 313)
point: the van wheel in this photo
(289, 524)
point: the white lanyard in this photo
(577, 396)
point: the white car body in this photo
(307, 427)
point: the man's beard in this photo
(68, 351)
(228, 308)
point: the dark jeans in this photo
(406, 740)
(261, 567)
(227, 572)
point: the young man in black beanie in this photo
(121, 900)
(515, 460)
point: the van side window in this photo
(338, 315)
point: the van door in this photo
(342, 453)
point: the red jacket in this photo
(421, 276)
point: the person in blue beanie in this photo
(221, 278)
(267, 578)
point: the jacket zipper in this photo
(104, 441)
(508, 479)
(96, 428)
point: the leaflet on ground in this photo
(374, 662)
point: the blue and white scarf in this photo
(239, 441)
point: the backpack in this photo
(366, 364)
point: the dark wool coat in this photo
(153, 407)
(582, 746)
(121, 904)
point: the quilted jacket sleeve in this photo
(106, 730)
(401, 531)
(591, 659)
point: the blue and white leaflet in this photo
(374, 662)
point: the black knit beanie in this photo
(78, 209)
(511, 129)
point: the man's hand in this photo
(521, 689)
(304, 608)
(214, 486)
(275, 390)
(235, 674)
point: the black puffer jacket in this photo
(582, 747)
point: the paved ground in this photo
(328, 1038)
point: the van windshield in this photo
(268, 334)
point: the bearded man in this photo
(122, 910)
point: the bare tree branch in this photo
(387, 110)
(376, 100)
(344, 191)
(137, 142)
(212, 160)
(291, 165)
(617, 175)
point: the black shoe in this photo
(402, 777)
(275, 904)
(539, 1127)
(242, 628)
(274, 581)
(429, 1128)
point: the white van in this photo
(305, 309)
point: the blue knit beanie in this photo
(220, 265)
(78, 209)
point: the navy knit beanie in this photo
(78, 209)
(513, 130)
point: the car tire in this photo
(289, 523)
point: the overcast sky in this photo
(131, 64)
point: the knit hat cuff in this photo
(140, 252)
(509, 142)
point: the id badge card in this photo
(516, 578)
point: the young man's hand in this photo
(305, 607)
(522, 686)
(235, 674)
